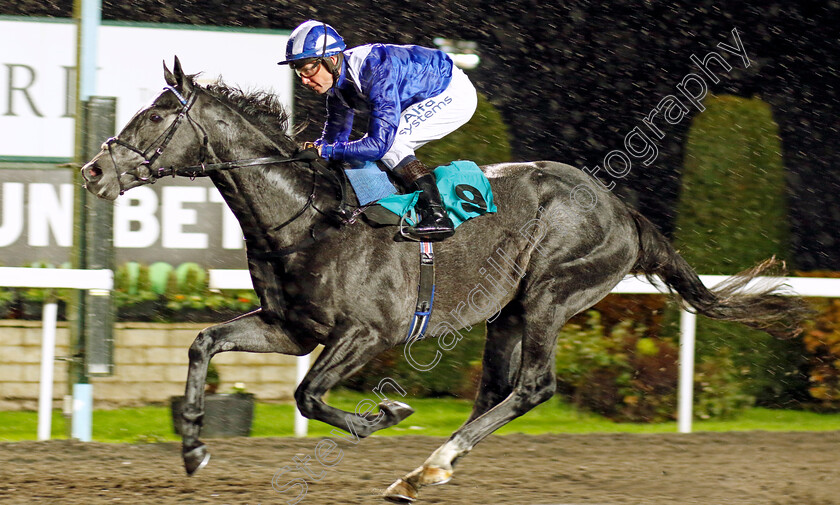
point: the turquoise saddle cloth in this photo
(463, 187)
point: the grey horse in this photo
(558, 244)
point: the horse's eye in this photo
(155, 118)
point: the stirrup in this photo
(408, 232)
(405, 230)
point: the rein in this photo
(204, 169)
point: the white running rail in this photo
(96, 281)
(102, 281)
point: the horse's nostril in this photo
(94, 171)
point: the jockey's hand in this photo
(312, 145)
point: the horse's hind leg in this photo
(533, 384)
(249, 333)
(338, 360)
(542, 316)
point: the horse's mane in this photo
(261, 108)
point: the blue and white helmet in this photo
(313, 39)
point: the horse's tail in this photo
(761, 307)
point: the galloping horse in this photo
(558, 244)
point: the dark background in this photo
(573, 78)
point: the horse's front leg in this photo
(249, 333)
(500, 361)
(338, 360)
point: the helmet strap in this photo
(334, 68)
(324, 50)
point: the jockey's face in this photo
(316, 77)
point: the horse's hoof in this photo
(396, 410)
(196, 459)
(400, 492)
(405, 490)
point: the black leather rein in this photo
(204, 169)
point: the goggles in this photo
(308, 69)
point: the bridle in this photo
(343, 214)
(159, 144)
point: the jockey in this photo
(412, 94)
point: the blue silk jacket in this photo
(385, 80)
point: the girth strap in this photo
(425, 294)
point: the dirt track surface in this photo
(709, 469)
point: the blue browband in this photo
(177, 94)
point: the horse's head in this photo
(160, 135)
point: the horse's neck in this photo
(261, 197)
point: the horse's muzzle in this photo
(91, 172)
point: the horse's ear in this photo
(179, 72)
(177, 78)
(168, 75)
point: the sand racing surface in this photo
(750, 468)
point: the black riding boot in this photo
(434, 223)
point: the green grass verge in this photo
(435, 417)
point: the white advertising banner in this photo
(37, 73)
(176, 220)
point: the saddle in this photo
(466, 194)
(464, 188)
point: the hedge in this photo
(732, 214)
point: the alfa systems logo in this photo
(418, 113)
